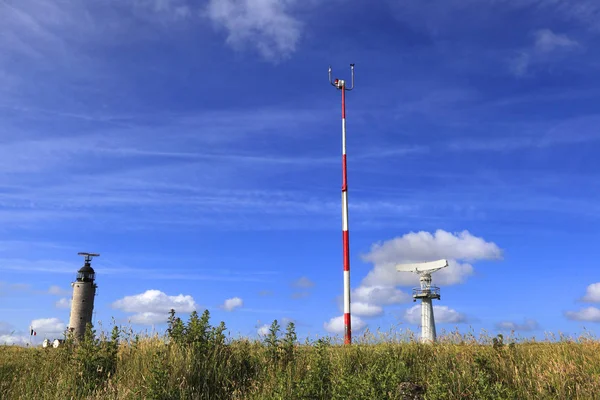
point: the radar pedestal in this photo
(426, 293)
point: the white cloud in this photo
(520, 64)
(266, 25)
(383, 295)
(176, 8)
(57, 290)
(424, 246)
(591, 314)
(155, 301)
(378, 288)
(63, 303)
(546, 47)
(592, 294)
(14, 339)
(231, 304)
(48, 326)
(149, 318)
(336, 324)
(365, 309)
(153, 306)
(527, 325)
(442, 315)
(547, 41)
(9, 336)
(303, 283)
(263, 330)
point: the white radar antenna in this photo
(426, 292)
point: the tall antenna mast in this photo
(341, 85)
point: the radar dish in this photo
(430, 266)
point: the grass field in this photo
(194, 360)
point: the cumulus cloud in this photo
(590, 314)
(442, 315)
(231, 304)
(263, 330)
(63, 303)
(8, 335)
(424, 246)
(48, 326)
(266, 25)
(154, 305)
(592, 294)
(57, 290)
(149, 318)
(14, 339)
(336, 324)
(527, 325)
(155, 301)
(366, 310)
(378, 288)
(383, 295)
(303, 283)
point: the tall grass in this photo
(195, 360)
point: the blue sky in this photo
(196, 146)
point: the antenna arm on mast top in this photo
(333, 82)
(352, 79)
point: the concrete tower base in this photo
(428, 334)
(82, 307)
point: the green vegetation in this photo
(195, 360)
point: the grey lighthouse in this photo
(82, 303)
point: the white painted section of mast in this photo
(346, 292)
(344, 135)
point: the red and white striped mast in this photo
(341, 85)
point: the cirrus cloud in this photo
(266, 25)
